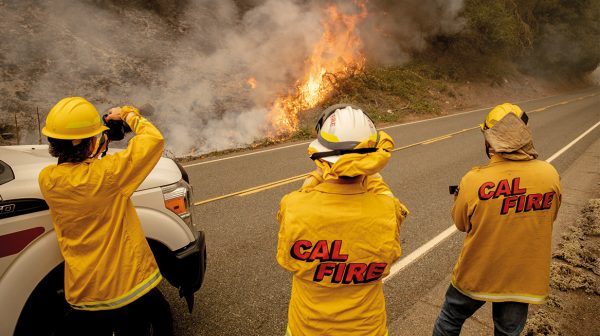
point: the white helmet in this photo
(340, 128)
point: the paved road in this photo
(246, 293)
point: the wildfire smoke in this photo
(221, 74)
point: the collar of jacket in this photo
(87, 161)
(496, 158)
(355, 164)
(342, 189)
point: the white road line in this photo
(307, 142)
(425, 248)
(382, 128)
(557, 154)
(247, 154)
(416, 254)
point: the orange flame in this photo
(338, 52)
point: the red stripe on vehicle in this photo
(15, 242)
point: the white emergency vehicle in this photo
(31, 267)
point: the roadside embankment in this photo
(575, 281)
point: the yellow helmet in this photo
(73, 118)
(498, 112)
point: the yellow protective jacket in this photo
(339, 241)
(108, 263)
(507, 209)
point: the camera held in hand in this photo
(116, 128)
(453, 189)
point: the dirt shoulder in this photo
(575, 273)
(517, 87)
(575, 270)
(575, 281)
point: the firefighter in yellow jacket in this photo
(110, 271)
(506, 208)
(340, 233)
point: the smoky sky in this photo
(191, 59)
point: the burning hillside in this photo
(221, 75)
(337, 54)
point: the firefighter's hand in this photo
(313, 179)
(114, 114)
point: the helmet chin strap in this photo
(320, 155)
(488, 150)
(103, 143)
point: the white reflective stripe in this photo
(502, 297)
(288, 332)
(116, 303)
(518, 298)
(136, 124)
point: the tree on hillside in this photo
(566, 37)
(558, 38)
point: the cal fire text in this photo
(516, 198)
(333, 266)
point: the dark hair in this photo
(65, 151)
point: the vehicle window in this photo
(6, 174)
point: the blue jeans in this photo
(509, 317)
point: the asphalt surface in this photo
(246, 293)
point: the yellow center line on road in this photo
(259, 188)
(564, 102)
(273, 185)
(436, 139)
(293, 179)
(441, 137)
